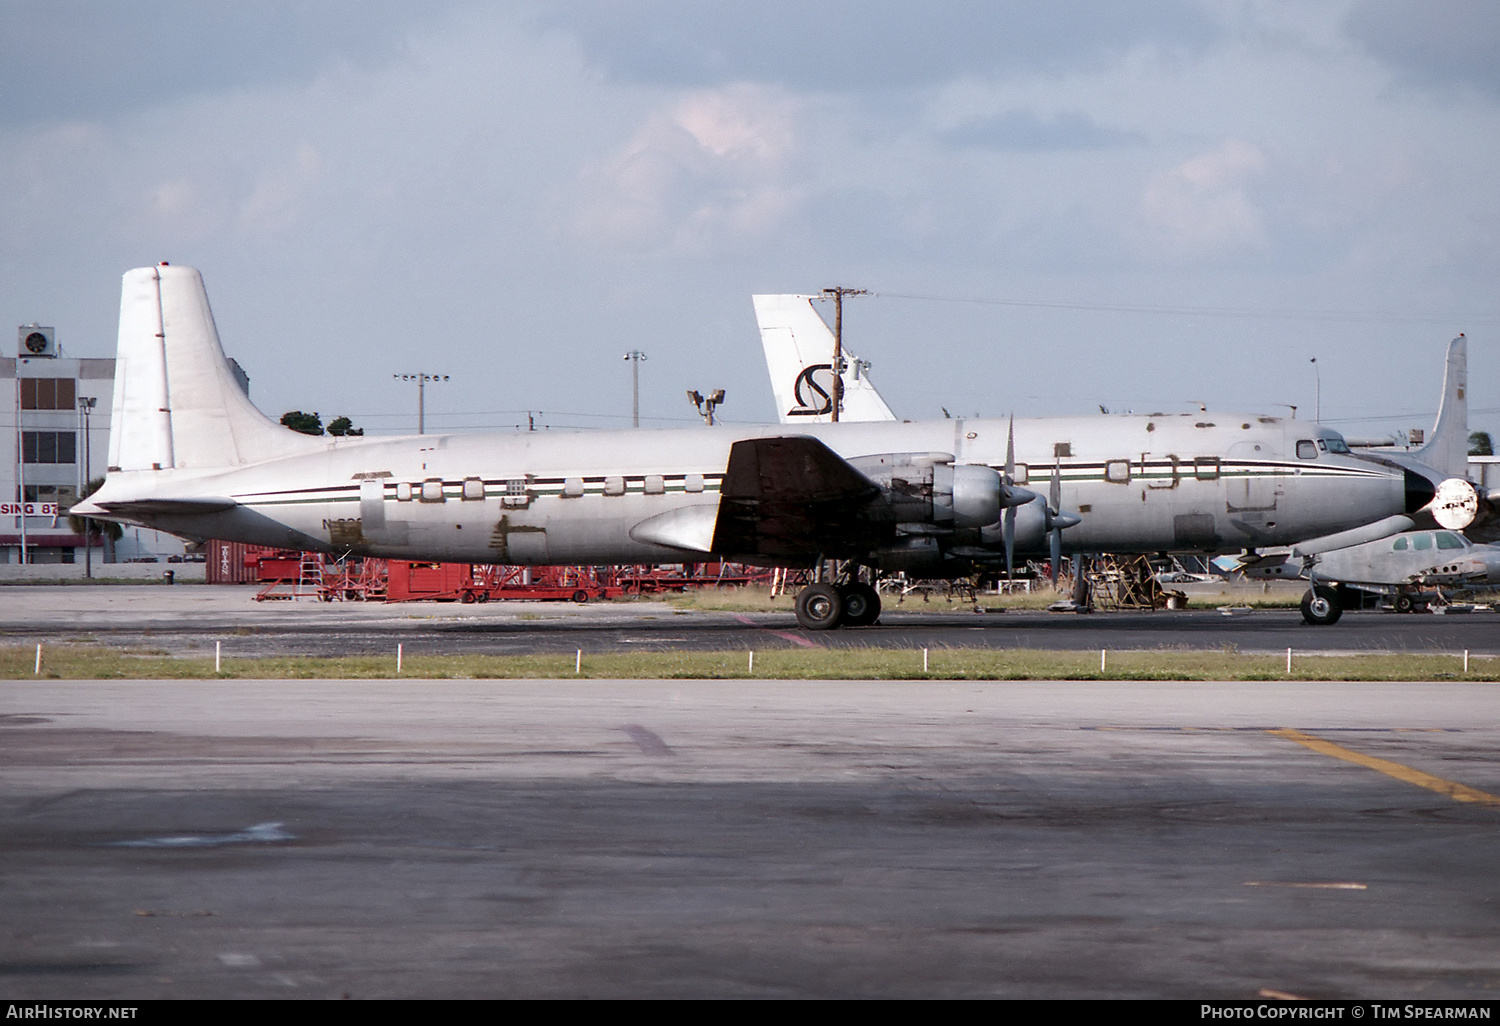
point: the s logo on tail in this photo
(814, 397)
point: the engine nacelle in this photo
(926, 488)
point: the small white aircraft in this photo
(190, 454)
(1413, 568)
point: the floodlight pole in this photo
(86, 404)
(1317, 392)
(635, 356)
(421, 380)
(838, 292)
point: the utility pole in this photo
(421, 380)
(635, 356)
(838, 293)
(86, 404)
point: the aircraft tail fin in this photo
(1448, 448)
(799, 355)
(177, 403)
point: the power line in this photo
(1210, 311)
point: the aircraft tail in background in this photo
(1447, 449)
(799, 355)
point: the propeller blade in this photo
(1010, 452)
(1054, 532)
(1010, 541)
(1010, 511)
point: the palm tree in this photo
(91, 528)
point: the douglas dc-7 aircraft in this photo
(799, 351)
(190, 454)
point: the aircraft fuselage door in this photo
(1251, 477)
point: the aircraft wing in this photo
(791, 498)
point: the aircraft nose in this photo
(1419, 491)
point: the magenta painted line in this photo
(794, 638)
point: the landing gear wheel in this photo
(819, 607)
(468, 598)
(1320, 606)
(861, 605)
(580, 596)
(1404, 604)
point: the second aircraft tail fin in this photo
(799, 356)
(1447, 449)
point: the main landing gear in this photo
(822, 607)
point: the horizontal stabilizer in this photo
(133, 508)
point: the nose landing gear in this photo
(1321, 606)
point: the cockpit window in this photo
(1323, 444)
(1421, 541)
(1449, 540)
(1336, 443)
(1400, 545)
(1306, 449)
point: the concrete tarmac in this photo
(189, 620)
(748, 839)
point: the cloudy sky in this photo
(1134, 203)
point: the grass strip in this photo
(93, 662)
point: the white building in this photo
(55, 441)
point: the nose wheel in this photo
(1321, 606)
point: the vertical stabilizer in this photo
(1448, 448)
(177, 404)
(799, 356)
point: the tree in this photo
(1480, 444)
(340, 426)
(96, 528)
(307, 423)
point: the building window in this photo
(49, 447)
(48, 394)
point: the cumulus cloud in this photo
(715, 163)
(854, 44)
(1201, 206)
(1434, 42)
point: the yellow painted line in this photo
(1458, 792)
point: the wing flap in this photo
(790, 499)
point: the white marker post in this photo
(1102, 660)
(1288, 660)
(398, 660)
(218, 652)
(924, 660)
(751, 668)
(37, 670)
(578, 662)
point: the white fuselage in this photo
(1138, 484)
